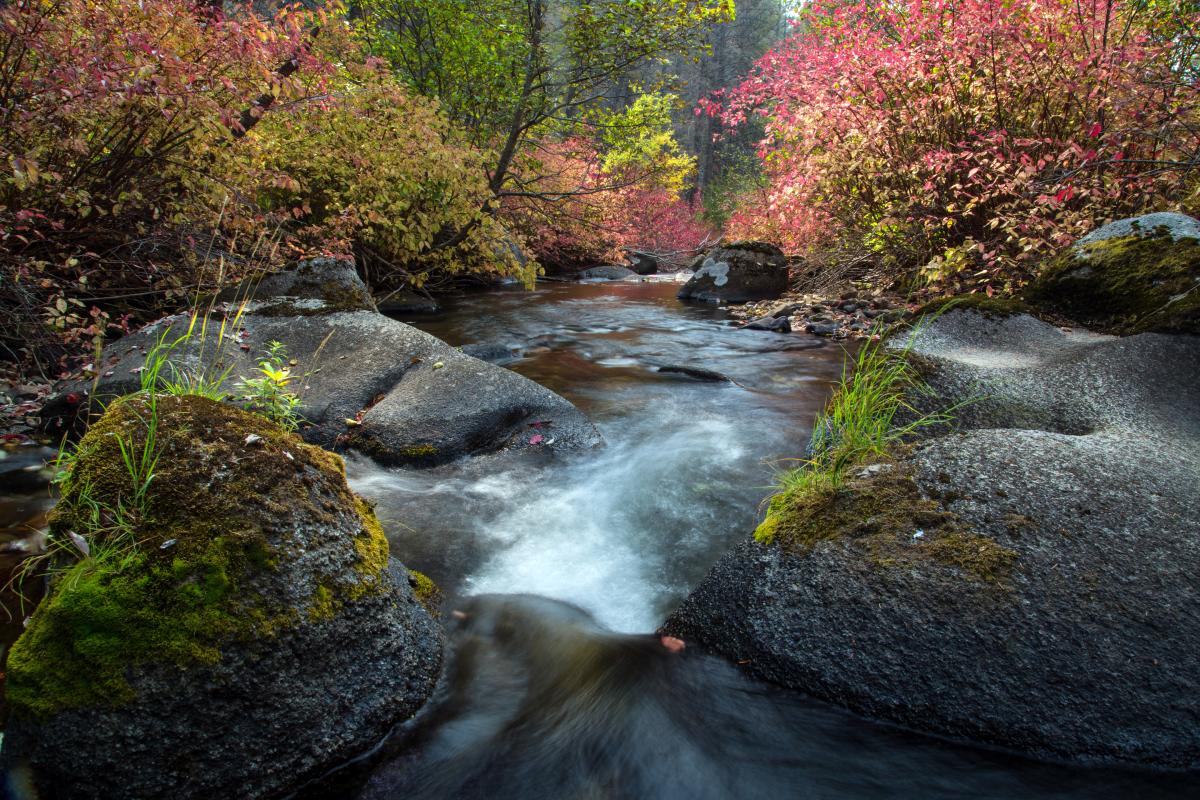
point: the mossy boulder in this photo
(1026, 579)
(236, 628)
(738, 272)
(891, 522)
(1132, 276)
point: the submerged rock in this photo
(697, 373)
(234, 630)
(738, 273)
(607, 273)
(364, 380)
(1131, 276)
(490, 352)
(1027, 581)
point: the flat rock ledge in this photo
(1077, 471)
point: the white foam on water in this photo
(599, 533)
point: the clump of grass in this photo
(162, 374)
(108, 534)
(871, 411)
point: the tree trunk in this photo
(516, 128)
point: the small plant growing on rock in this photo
(268, 393)
(870, 412)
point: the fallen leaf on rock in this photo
(673, 644)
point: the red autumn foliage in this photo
(580, 215)
(970, 136)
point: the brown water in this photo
(23, 510)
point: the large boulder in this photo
(642, 263)
(738, 273)
(1027, 581)
(231, 627)
(365, 380)
(1131, 276)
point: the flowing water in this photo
(626, 530)
(556, 688)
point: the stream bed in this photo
(557, 687)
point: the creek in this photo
(556, 687)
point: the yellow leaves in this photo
(372, 164)
(280, 377)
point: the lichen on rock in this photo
(737, 273)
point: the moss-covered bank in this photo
(196, 562)
(998, 306)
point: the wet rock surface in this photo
(493, 353)
(365, 381)
(1077, 473)
(779, 324)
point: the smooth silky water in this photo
(555, 687)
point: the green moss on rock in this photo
(1126, 285)
(998, 306)
(888, 521)
(418, 451)
(420, 454)
(428, 593)
(173, 578)
(372, 548)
